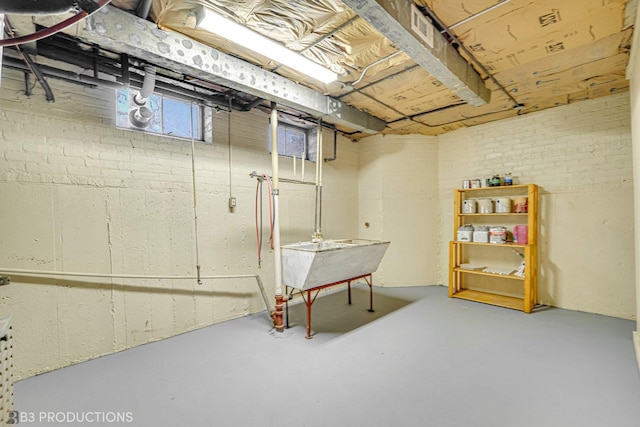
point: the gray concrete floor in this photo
(421, 359)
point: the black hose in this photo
(33, 67)
(36, 7)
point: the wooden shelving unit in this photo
(459, 251)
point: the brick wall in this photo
(399, 202)
(580, 156)
(80, 195)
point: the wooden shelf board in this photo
(482, 273)
(501, 187)
(489, 298)
(508, 245)
(496, 214)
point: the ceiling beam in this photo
(122, 32)
(426, 46)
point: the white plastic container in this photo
(469, 206)
(465, 233)
(485, 206)
(481, 234)
(503, 205)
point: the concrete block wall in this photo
(580, 156)
(399, 202)
(80, 195)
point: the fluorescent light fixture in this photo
(208, 20)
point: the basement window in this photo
(163, 115)
(295, 141)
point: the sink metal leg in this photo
(369, 281)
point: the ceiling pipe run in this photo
(135, 82)
(454, 38)
(36, 7)
(123, 32)
(335, 148)
(476, 15)
(31, 65)
(396, 20)
(143, 9)
(91, 8)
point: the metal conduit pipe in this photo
(335, 147)
(254, 174)
(143, 9)
(52, 72)
(455, 39)
(24, 272)
(35, 69)
(482, 12)
(31, 65)
(135, 81)
(373, 64)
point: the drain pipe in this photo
(25, 272)
(277, 262)
(317, 234)
(148, 84)
(141, 116)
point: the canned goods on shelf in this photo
(498, 235)
(520, 204)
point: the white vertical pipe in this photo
(1, 37)
(276, 192)
(317, 233)
(320, 160)
(320, 150)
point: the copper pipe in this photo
(276, 315)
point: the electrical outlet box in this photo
(232, 202)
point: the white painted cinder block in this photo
(123, 203)
(579, 155)
(80, 195)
